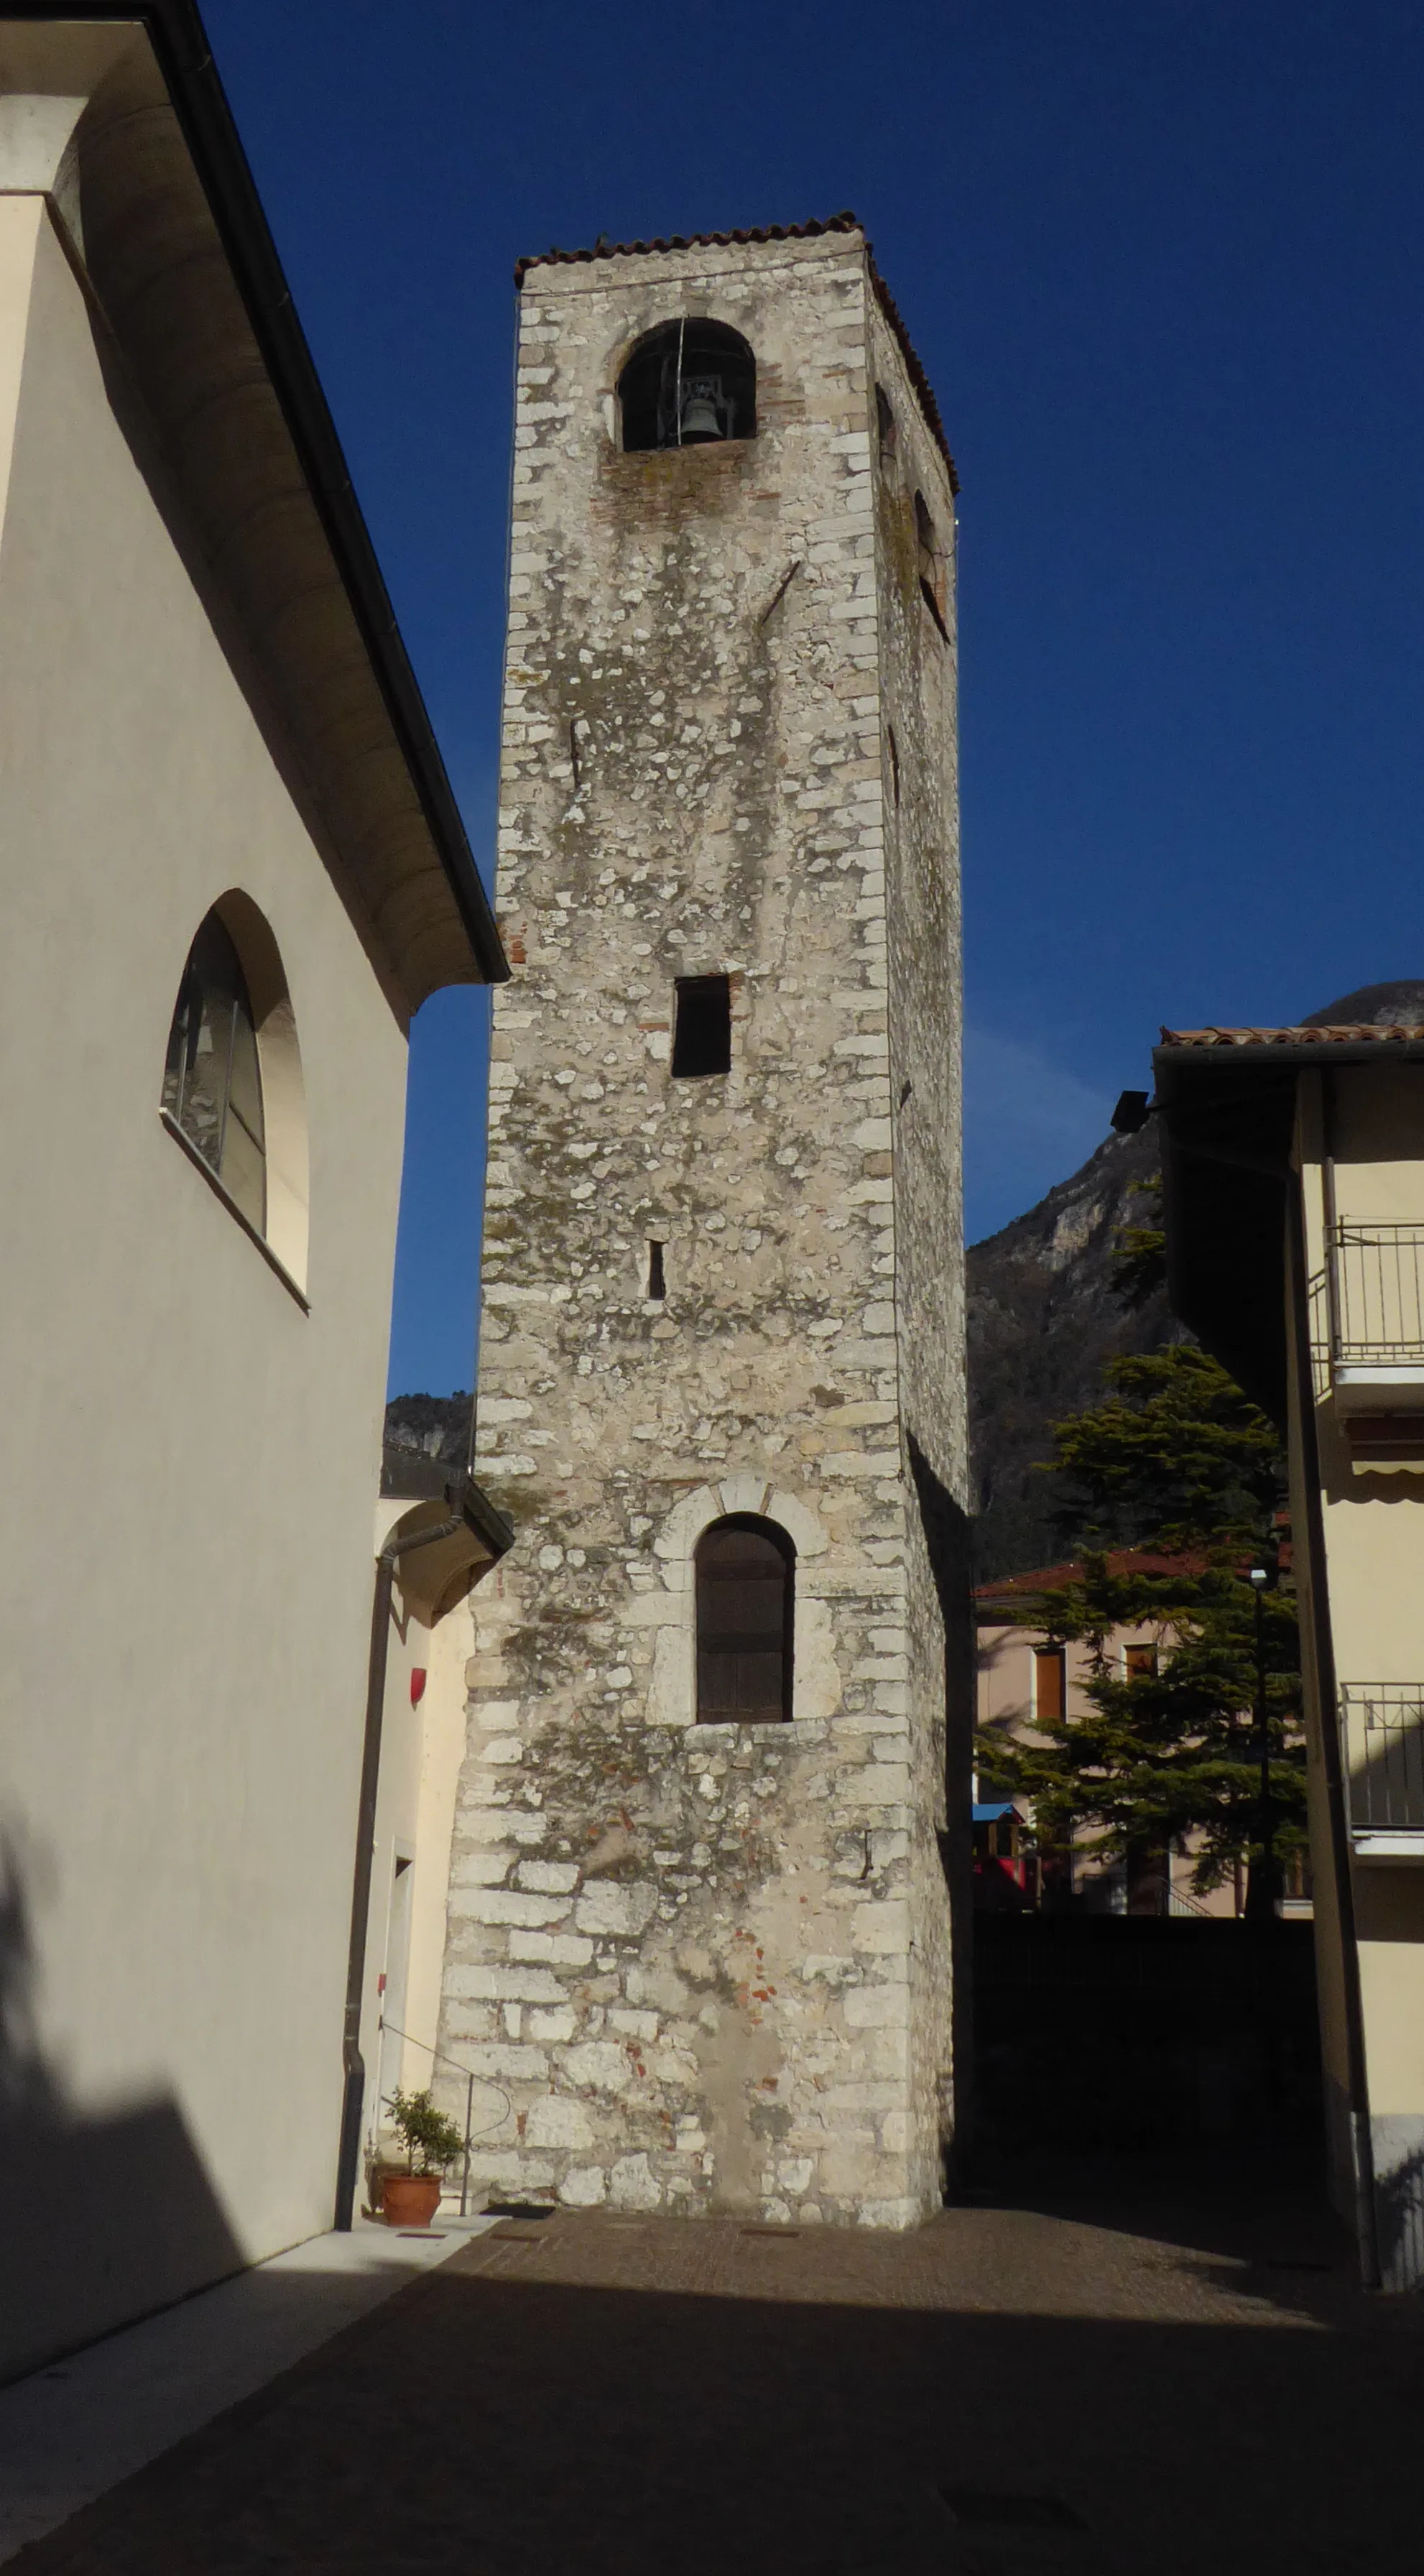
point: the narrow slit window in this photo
(745, 1605)
(885, 426)
(934, 587)
(657, 1281)
(1050, 1685)
(894, 765)
(702, 1027)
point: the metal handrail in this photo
(1178, 1901)
(1377, 1280)
(471, 2080)
(1382, 1747)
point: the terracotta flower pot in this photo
(410, 2200)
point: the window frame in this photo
(193, 1012)
(762, 1526)
(283, 1236)
(1050, 1659)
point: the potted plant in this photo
(431, 2143)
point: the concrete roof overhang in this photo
(432, 1578)
(210, 371)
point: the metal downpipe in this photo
(353, 2064)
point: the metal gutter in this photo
(179, 39)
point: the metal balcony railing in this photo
(1382, 1724)
(1377, 1300)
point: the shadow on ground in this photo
(1009, 2389)
(1258, 2208)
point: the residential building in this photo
(435, 1540)
(234, 870)
(1029, 1680)
(700, 1924)
(1293, 1162)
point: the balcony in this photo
(1375, 1317)
(1382, 1746)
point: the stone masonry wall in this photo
(918, 674)
(710, 1964)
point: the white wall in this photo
(185, 1533)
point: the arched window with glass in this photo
(745, 1606)
(212, 1079)
(233, 1090)
(691, 383)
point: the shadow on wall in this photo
(1133, 2033)
(1399, 2201)
(105, 2216)
(947, 1537)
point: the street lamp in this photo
(1264, 1903)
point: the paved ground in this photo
(70, 2432)
(1140, 2381)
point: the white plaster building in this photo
(699, 1923)
(1293, 1162)
(233, 869)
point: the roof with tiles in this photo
(994, 1598)
(1353, 1034)
(1056, 1578)
(843, 223)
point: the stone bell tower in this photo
(700, 1910)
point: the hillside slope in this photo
(1042, 1321)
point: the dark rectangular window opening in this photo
(657, 1283)
(702, 1029)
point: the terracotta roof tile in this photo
(1120, 1561)
(1369, 1031)
(1053, 1578)
(844, 223)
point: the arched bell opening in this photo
(690, 383)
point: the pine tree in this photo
(1177, 1467)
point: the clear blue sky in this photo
(1164, 262)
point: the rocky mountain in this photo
(427, 1442)
(1042, 1321)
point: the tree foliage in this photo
(1176, 1468)
(1176, 1459)
(424, 2132)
